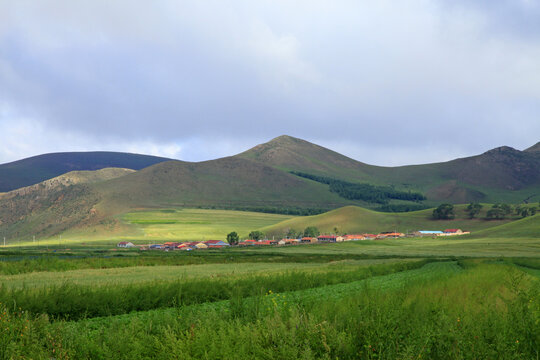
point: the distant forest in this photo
(366, 192)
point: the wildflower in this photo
(517, 341)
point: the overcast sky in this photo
(384, 82)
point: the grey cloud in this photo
(208, 73)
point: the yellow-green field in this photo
(198, 224)
(427, 246)
(170, 224)
(141, 274)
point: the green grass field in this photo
(150, 226)
(442, 310)
(353, 219)
(198, 224)
(142, 274)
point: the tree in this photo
(524, 212)
(444, 212)
(293, 234)
(232, 238)
(507, 209)
(532, 211)
(311, 231)
(499, 211)
(473, 209)
(256, 235)
(496, 212)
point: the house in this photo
(216, 243)
(155, 247)
(390, 235)
(327, 238)
(370, 236)
(125, 244)
(264, 242)
(247, 242)
(427, 233)
(308, 240)
(196, 245)
(353, 237)
(452, 232)
(288, 241)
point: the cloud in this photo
(181, 77)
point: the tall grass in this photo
(73, 302)
(486, 312)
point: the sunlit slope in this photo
(528, 227)
(352, 219)
(54, 205)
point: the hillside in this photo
(227, 182)
(36, 169)
(54, 205)
(528, 227)
(261, 180)
(353, 219)
(501, 174)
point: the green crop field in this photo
(146, 226)
(198, 224)
(441, 310)
(475, 296)
(141, 274)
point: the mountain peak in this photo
(534, 148)
(501, 150)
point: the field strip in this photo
(141, 274)
(378, 283)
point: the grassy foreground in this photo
(440, 311)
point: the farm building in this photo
(327, 238)
(354, 237)
(452, 232)
(390, 235)
(427, 233)
(288, 241)
(247, 242)
(125, 244)
(155, 247)
(308, 240)
(216, 243)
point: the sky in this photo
(384, 82)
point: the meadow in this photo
(468, 297)
(467, 309)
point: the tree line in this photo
(366, 192)
(497, 211)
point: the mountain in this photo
(500, 174)
(259, 179)
(535, 148)
(35, 169)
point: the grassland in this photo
(442, 310)
(145, 274)
(198, 224)
(353, 219)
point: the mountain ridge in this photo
(35, 169)
(261, 179)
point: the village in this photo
(216, 244)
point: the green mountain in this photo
(36, 169)
(260, 179)
(501, 174)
